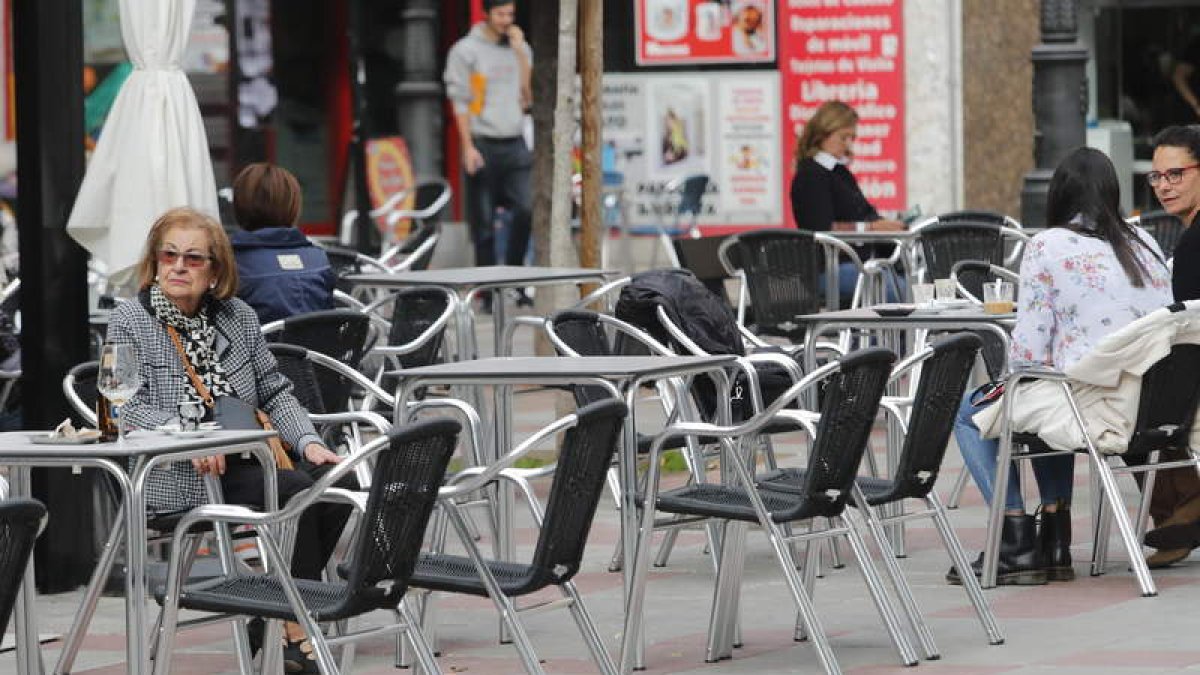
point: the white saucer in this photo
(206, 428)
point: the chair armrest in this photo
(477, 477)
(510, 330)
(374, 419)
(600, 293)
(833, 246)
(465, 411)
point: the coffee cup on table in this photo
(998, 297)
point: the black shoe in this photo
(255, 628)
(1184, 535)
(1020, 563)
(1054, 543)
(523, 299)
(299, 657)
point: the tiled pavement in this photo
(1091, 625)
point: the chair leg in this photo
(1133, 547)
(962, 563)
(891, 622)
(908, 603)
(422, 649)
(587, 628)
(811, 570)
(808, 614)
(956, 491)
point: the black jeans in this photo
(503, 181)
(320, 525)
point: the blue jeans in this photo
(503, 181)
(1055, 475)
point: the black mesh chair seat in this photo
(876, 490)
(714, 500)
(341, 334)
(260, 595)
(457, 574)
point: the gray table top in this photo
(472, 277)
(867, 315)
(19, 444)
(870, 237)
(534, 368)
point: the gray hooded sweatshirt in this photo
(477, 67)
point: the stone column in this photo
(1059, 103)
(419, 92)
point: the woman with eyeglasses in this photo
(1175, 179)
(188, 278)
(1087, 275)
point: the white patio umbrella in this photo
(152, 154)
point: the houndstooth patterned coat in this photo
(249, 367)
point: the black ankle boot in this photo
(1020, 562)
(1054, 543)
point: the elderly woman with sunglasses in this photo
(188, 278)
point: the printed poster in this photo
(852, 51)
(389, 172)
(659, 127)
(704, 31)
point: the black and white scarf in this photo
(198, 336)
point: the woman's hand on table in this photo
(214, 465)
(886, 225)
(318, 454)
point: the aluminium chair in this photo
(410, 464)
(939, 243)
(21, 521)
(1170, 392)
(587, 450)
(780, 272)
(346, 335)
(431, 196)
(683, 201)
(853, 387)
(927, 421)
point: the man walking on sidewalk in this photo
(487, 81)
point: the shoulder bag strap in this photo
(202, 390)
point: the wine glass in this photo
(118, 379)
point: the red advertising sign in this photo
(704, 31)
(851, 51)
(389, 172)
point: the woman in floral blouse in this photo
(1086, 276)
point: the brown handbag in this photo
(278, 447)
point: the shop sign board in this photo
(852, 51)
(390, 172)
(659, 127)
(676, 32)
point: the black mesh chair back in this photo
(588, 450)
(20, 522)
(973, 217)
(848, 412)
(414, 310)
(344, 262)
(1167, 407)
(782, 272)
(944, 378)
(404, 489)
(295, 366)
(341, 334)
(945, 243)
(1165, 228)
(582, 331)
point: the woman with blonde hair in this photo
(825, 195)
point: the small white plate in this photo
(80, 438)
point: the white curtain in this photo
(152, 154)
